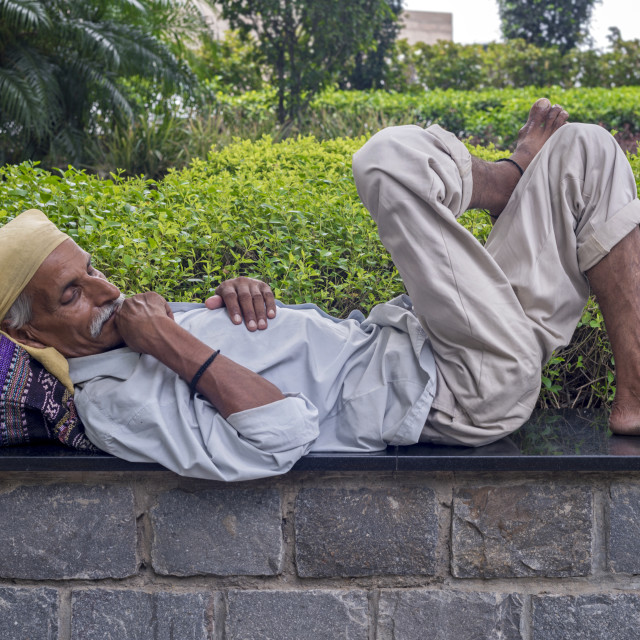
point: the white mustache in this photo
(103, 315)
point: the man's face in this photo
(73, 305)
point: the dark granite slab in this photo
(563, 440)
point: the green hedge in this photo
(287, 212)
(173, 134)
(491, 116)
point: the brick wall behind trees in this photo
(137, 556)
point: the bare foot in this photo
(543, 121)
(625, 413)
(493, 183)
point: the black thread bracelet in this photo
(194, 381)
(514, 163)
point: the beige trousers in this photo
(495, 314)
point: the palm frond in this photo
(29, 93)
(100, 88)
(176, 21)
(24, 14)
(134, 4)
(144, 55)
(117, 99)
(93, 40)
(67, 146)
(62, 63)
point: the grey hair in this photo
(20, 312)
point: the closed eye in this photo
(68, 300)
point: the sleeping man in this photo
(457, 361)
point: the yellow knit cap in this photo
(25, 243)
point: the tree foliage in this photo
(306, 43)
(371, 67)
(61, 65)
(448, 65)
(564, 23)
(233, 64)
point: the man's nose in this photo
(103, 292)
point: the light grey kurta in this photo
(354, 385)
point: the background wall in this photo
(368, 556)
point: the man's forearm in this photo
(146, 325)
(228, 386)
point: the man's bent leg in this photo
(584, 185)
(415, 183)
(575, 203)
(571, 207)
(616, 282)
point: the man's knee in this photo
(366, 167)
(380, 162)
(411, 164)
(587, 139)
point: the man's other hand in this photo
(246, 299)
(140, 321)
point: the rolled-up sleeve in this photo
(191, 438)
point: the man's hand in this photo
(146, 324)
(140, 320)
(245, 298)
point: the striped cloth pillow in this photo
(34, 405)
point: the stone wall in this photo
(357, 556)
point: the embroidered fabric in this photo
(34, 405)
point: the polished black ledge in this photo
(565, 440)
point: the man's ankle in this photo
(493, 184)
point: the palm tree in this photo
(62, 66)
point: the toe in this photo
(562, 118)
(557, 117)
(537, 117)
(539, 109)
(552, 117)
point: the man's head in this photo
(65, 304)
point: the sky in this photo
(477, 20)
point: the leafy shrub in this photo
(176, 130)
(512, 64)
(488, 116)
(288, 213)
(285, 212)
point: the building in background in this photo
(418, 26)
(426, 26)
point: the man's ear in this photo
(24, 335)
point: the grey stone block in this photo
(448, 615)
(518, 531)
(588, 617)
(218, 532)
(624, 529)
(294, 615)
(28, 614)
(102, 614)
(68, 531)
(343, 532)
